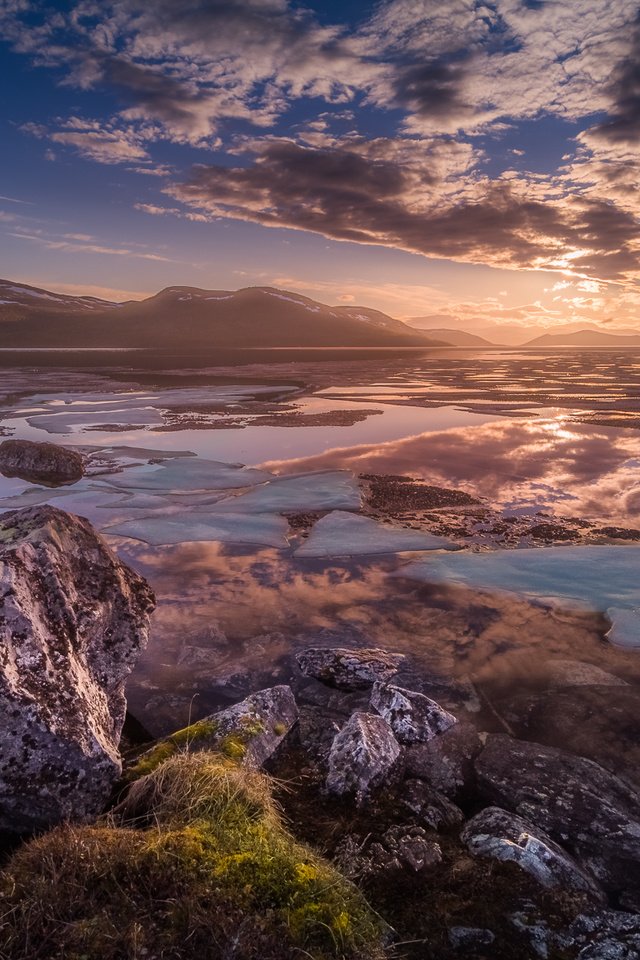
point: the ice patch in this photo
(605, 578)
(625, 627)
(327, 490)
(348, 534)
(65, 422)
(265, 530)
(189, 474)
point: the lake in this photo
(350, 499)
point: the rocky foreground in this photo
(73, 620)
(397, 825)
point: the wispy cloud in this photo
(72, 244)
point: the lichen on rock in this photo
(73, 620)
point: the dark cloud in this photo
(433, 89)
(623, 123)
(350, 197)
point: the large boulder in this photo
(45, 463)
(413, 717)
(363, 756)
(73, 620)
(576, 801)
(596, 722)
(497, 834)
(349, 669)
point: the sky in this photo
(475, 163)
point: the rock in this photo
(534, 928)
(429, 806)
(470, 938)
(592, 721)
(45, 463)
(249, 731)
(446, 762)
(73, 620)
(606, 935)
(402, 848)
(413, 717)
(363, 755)
(576, 801)
(577, 673)
(348, 669)
(499, 835)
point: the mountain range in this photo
(194, 318)
(191, 318)
(586, 338)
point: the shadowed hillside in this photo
(190, 317)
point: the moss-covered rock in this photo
(249, 732)
(194, 863)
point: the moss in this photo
(164, 749)
(233, 745)
(214, 872)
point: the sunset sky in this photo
(476, 163)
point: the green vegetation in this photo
(194, 863)
(164, 749)
(202, 735)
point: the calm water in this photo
(523, 432)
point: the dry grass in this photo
(194, 864)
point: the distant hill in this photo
(585, 338)
(189, 317)
(16, 298)
(459, 338)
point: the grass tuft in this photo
(194, 863)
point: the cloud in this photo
(344, 195)
(155, 211)
(435, 76)
(623, 123)
(103, 144)
(71, 244)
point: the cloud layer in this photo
(391, 130)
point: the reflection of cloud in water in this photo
(269, 605)
(586, 470)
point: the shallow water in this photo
(524, 433)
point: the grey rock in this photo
(363, 755)
(577, 802)
(531, 925)
(470, 938)
(403, 848)
(45, 463)
(251, 730)
(606, 935)
(349, 669)
(499, 835)
(446, 762)
(413, 717)
(73, 620)
(430, 807)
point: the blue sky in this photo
(474, 162)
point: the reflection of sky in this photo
(520, 465)
(253, 444)
(267, 605)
